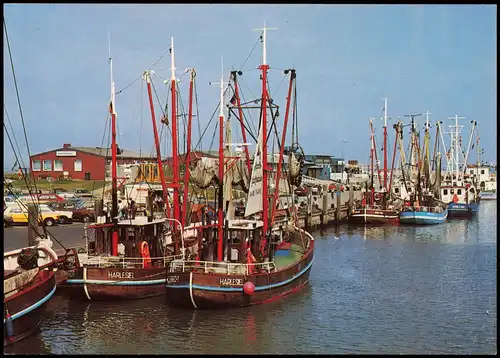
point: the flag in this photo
(233, 100)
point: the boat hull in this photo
(374, 216)
(26, 307)
(111, 283)
(458, 209)
(422, 217)
(211, 291)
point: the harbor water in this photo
(402, 289)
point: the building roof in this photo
(106, 152)
(102, 152)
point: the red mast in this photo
(114, 186)
(188, 153)
(147, 77)
(385, 144)
(371, 162)
(175, 159)
(283, 138)
(220, 210)
(265, 196)
(240, 113)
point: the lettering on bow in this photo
(172, 279)
(231, 282)
(115, 275)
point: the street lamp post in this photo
(343, 160)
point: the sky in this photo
(348, 58)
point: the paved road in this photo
(69, 235)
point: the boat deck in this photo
(294, 255)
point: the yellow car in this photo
(20, 216)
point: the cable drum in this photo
(28, 259)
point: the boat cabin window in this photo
(396, 190)
(452, 191)
(472, 171)
(445, 192)
(482, 171)
(459, 191)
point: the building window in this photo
(37, 165)
(459, 191)
(472, 171)
(482, 171)
(78, 166)
(58, 166)
(47, 165)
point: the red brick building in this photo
(84, 163)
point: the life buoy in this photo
(377, 196)
(146, 262)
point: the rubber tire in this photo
(49, 222)
(87, 217)
(63, 220)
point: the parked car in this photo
(65, 216)
(83, 193)
(68, 195)
(19, 215)
(80, 211)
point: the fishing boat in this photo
(126, 257)
(29, 282)
(424, 206)
(459, 189)
(488, 194)
(256, 259)
(376, 205)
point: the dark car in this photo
(83, 193)
(80, 212)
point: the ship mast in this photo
(265, 169)
(147, 77)
(385, 144)
(175, 159)
(456, 143)
(114, 186)
(188, 151)
(220, 209)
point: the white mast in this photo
(111, 76)
(264, 41)
(172, 60)
(457, 143)
(469, 145)
(385, 113)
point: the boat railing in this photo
(430, 209)
(228, 268)
(127, 262)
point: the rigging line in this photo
(20, 111)
(209, 122)
(251, 51)
(249, 122)
(102, 140)
(244, 126)
(123, 89)
(14, 136)
(197, 112)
